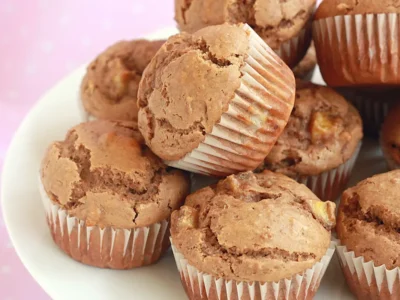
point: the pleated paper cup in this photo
(293, 50)
(202, 286)
(366, 280)
(255, 118)
(107, 247)
(358, 50)
(330, 184)
(391, 163)
(373, 106)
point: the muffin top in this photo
(102, 173)
(307, 64)
(109, 88)
(274, 20)
(331, 8)
(369, 219)
(390, 134)
(188, 86)
(253, 227)
(323, 132)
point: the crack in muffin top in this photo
(188, 86)
(253, 227)
(103, 173)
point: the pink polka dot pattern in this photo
(40, 42)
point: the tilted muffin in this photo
(305, 69)
(356, 42)
(390, 138)
(109, 88)
(320, 144)
(284, 25)
(250, 232)
(368, 229)
(214, 102)
(108, 198)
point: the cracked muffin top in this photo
(109, 88)
(369, 219)
(323, 132)
(253, 227)
(331, 8)
(102, 173)
(274, 20)
(187, 86)
(390, 134)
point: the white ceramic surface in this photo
(60, 276)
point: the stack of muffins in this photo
(220, 99)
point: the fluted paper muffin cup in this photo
(330, 184)
(391, 163)
(106, 247)
(199, 285)
(365, 279)
(255, 117)
(358, 50)
(372, 105)
(293, 50)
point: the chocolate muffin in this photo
(356, 42)
(368, 229)
(284, 25)
(320, 143)
(108, 197)
(390, 138)
(214, 102)
(109, 88)
(252, 231)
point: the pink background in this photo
(40, 42)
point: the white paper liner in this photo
(330, 184)
(392, 164)
(359, 49)
(105, 247)
(199, 285)
(292, 51)
(366, 280)
(258, 113)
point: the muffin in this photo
(368, 229)
(390, 138)
(108, 199)
(321, 142)
(305, 69)
(373, 105)
(109, 88)
(284, 25)
(214, 102)
(263, 235)
(357, 42)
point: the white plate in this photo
(60, 276)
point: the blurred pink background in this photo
(40, 42)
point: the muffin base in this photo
(256, 116)
(203, 286)
(365, 280)
(107, 247)
(330, 184)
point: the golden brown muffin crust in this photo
(390, 134)
(103, 174)
(369, 219)
(188, 86)
(253, 227)
(331, 8)
(274, 20)
(109, 88)
(323, 132)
